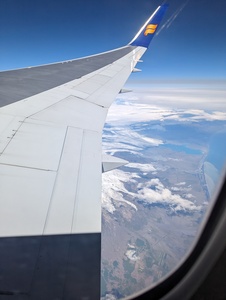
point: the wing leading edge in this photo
(50, 168)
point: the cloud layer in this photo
(168, 103)
(152, 192)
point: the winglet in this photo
(146, 33)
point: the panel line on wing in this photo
(36, 146)
(87, 214)
(62, 203)
(12, 129)
(26, 167)
(77, 184)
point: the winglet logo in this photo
(150, 29)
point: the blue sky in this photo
(39, 32)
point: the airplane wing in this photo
(51, 121)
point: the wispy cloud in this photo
(113, 188)
(168, 108)
(127, 140)
(154, 192)
(142, 167)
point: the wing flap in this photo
(70, 184)
(75, 206)
(88, 198)
(23, 211)
(61, 212)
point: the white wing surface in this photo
(51, 153)
(51, 123)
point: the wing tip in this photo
(148, 30)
